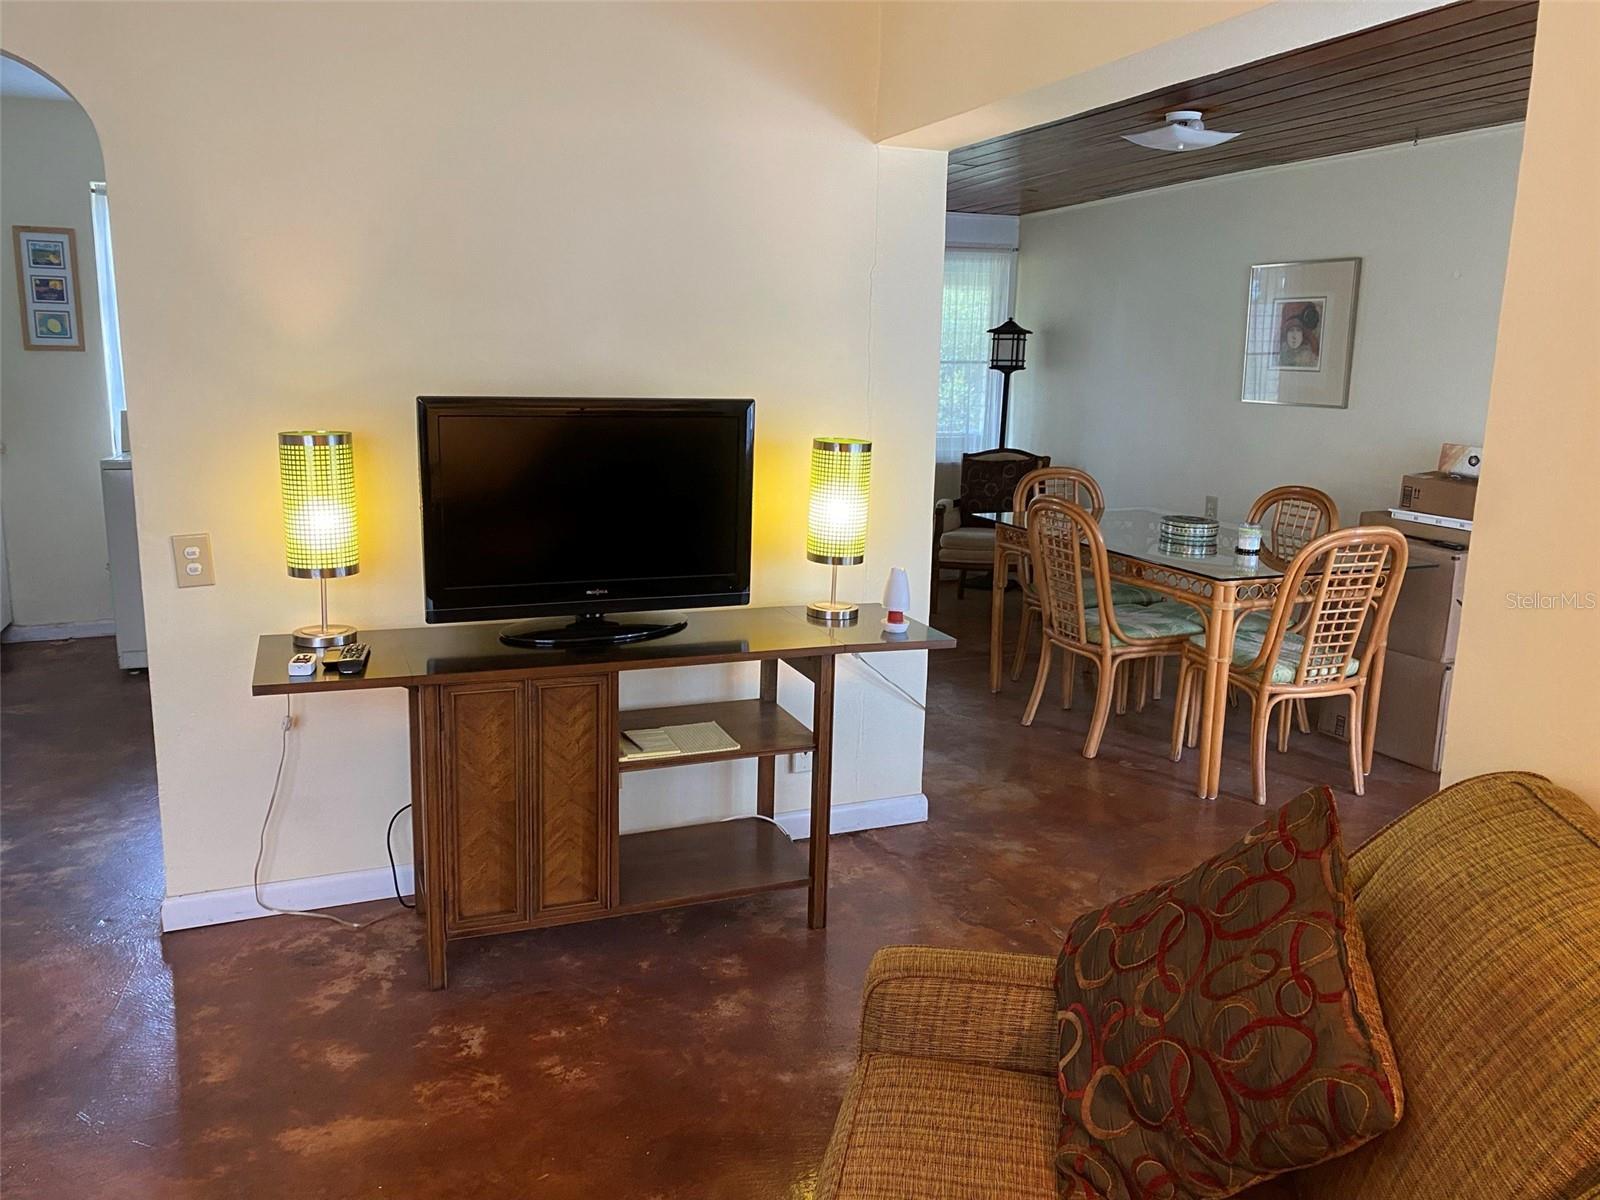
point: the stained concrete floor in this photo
(696, 1053)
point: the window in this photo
(110, 329)
(977, 296)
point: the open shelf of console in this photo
(761, 727)
(691, 864)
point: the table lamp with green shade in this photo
(316, 473)
(836, 528)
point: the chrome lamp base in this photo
(315, 637)
(832, 612)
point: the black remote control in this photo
(347, 660)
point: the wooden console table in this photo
(515, 767)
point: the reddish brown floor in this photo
(695, 1053)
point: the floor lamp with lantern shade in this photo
(1008, 349)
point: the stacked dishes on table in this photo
(1189, 537)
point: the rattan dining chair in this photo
(1299, 514)
(1068, 483)
(1067, 558)
(1080, 488)
(1345, 583)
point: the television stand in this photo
(516, 767)
(593, 629)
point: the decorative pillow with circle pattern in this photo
(1222, 1027)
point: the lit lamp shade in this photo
(316, 472)
(841, 475)
(317, 476)
(836, 527)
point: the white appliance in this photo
(122, 543)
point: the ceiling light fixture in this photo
(1184, 130)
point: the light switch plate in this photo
(1211, 507)
(191, 558)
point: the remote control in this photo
(303, 664)
(348, 660)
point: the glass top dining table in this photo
(1136, 533)
(1223, 585)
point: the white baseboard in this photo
(354, 887)
(59, 633)
(317, 891)
(863, 814)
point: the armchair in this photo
(963, 541)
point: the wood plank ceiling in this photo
(1464, 66)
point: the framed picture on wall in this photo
(47, 285)
(1299, 333)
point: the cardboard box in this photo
(1427, 616)
(1440, 494)
(1412, 710)
(1333, 717)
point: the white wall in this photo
(1138, 305)
(324, 210)
(1530, 613)
(52, 402)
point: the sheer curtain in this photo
(977, 297)
(110, 327)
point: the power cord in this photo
(759, 817)
(861, 659)
(388, 844)
(261, 845)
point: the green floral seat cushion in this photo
(1256, 621)
(1125, 594)
(1132, 593)
(1144, 622)
(1121, 594)
(1251, 635)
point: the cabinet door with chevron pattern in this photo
(574, 766)
(487, 826)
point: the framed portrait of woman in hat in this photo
(1300, 333)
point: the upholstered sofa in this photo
(1481, 913)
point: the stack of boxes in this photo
(1435, 514)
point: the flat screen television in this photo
(583, 515)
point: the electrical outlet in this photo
(191, 558)
(1211, 507)
(800, 764)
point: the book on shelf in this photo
(670, 741)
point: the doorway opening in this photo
(70, 546)
(1225, 342)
